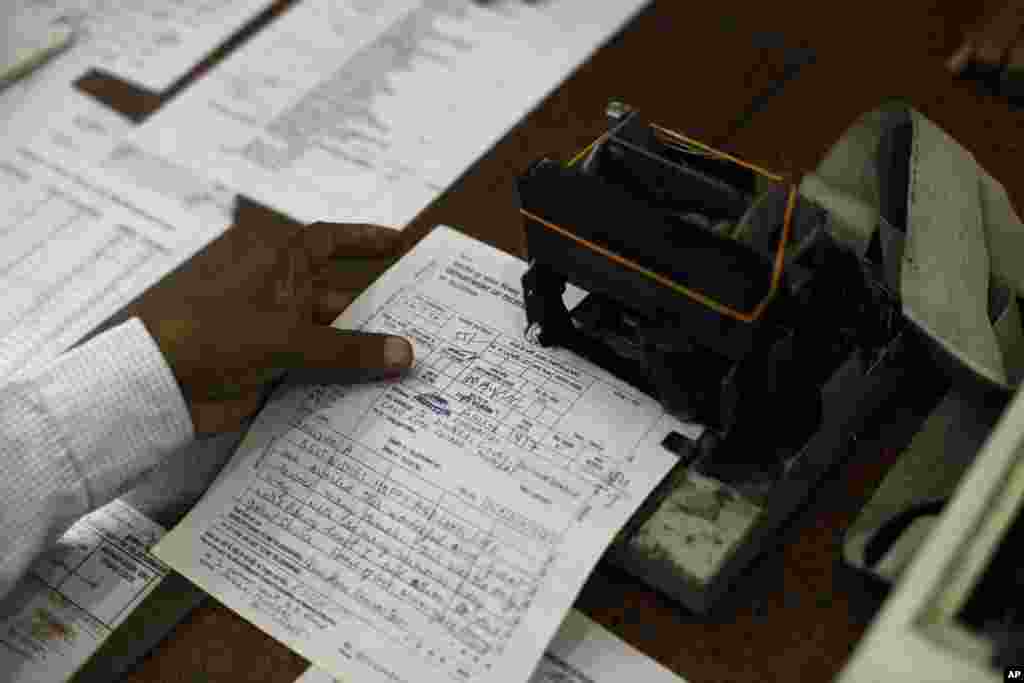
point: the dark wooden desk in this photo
(695, 67)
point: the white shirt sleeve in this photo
(78, 433)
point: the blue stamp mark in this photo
(436, 403)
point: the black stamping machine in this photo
(716, 288)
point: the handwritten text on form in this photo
(435, 528)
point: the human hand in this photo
(254, 309)
(995, 43)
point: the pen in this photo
(59, 39)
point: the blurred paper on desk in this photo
(76, 245)
(46, 112)
(343, 110)
(88, 220)
(436, 527)
(61, 144)
(76, 594)
(151, 43)
(28, 45)
(582, 652)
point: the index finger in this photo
(324, 347)
(324, 240)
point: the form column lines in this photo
(572, 406)
(484, 543)
(458, 378)
(41, 242)
(129, 270)
(72, 570)
(28, 215)
(46, 297)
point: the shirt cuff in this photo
(119, 406)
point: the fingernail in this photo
(959, 59)
(397, 352)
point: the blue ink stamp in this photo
(436, 403)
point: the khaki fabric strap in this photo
(962, 234)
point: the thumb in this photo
(337, 356)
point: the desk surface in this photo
(696, 69)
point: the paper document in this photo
(151, 43)
(71, 146)
(76, 245)
(77, 594)
(24, 49)
(45, 111)
(51, 81)
(439, 527)
(346, 110)
(582, 652)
